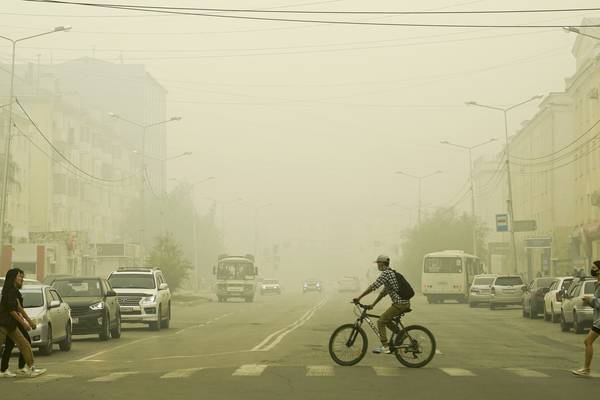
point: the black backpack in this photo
(405, 291)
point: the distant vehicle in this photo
(48, 280)
(26, 282)
(349, 284)
(553, 299)
(51, 315)
(143, 295)
(270, 286)
(312, 285)
(533, 296)
(236, 277)
(506, 290)
(573, 313)
(447, 275)
(94, 307)
(481, 290)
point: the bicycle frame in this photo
(365, 316)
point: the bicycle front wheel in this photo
(415, 346)
(348, 344)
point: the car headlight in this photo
(263, 287)
(150, 299)
(305, 285)
(97, 306)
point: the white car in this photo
(553, 299)
(349, 284)
(574, 314)
(143, 295)
(506, 290)
(480, 291)
(270, 286)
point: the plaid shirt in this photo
(390, 283)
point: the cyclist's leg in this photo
(384, 320)
(398, 310)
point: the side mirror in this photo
(545, 290)
(54, 304)
(111, 293)
(163, 286)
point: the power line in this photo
(272, 11)
(310, 21)
(57, 151)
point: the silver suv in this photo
(143, 295)
(506, 290)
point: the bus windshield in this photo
(235, 271)
(443, 265)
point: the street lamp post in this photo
(508, 174)
(472, 184)
(419, 178)
(7, 142)
(256, 211)
(144, 129)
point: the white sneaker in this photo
(22, 371)
(581, 372)
(7, 374)
(33, 372)
(382, 349)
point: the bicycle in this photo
(414, 345)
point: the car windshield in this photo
(508, 281)
(566, 284)
(132, 281)
(270, 281)
(235, 270)
(590, 287)
(443, 265)
(545, 282)
(78, 288)
(32, 299)
(483, 281)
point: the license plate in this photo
(235, 289)
(75, 320)
(125, 308)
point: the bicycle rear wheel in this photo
(415, 346)
(348, 344)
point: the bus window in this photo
(443, 265)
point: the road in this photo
(276, 347)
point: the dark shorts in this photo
(596, 329)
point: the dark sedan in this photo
(94, 307)
(533, 296)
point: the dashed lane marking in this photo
(180, 373)
(250, 370)
(45, 378)
(527, 373)
(457, 372)
(319, 370)
(115, 376)
(386, 371)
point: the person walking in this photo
(593, 334)
(11, 317)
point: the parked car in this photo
(533, 296)
(349, 284)
(573, 313)
(506, 290)
(51, 315)
(49, 279)
(94, 307)
(143, 295)
(553, 299)
(312, 285)
(481, 290)
(270, 286)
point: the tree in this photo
(444, 230)
(167, 255)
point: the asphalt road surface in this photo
(276, 348)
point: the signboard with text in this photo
(501, 222)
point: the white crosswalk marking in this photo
(527, 373)
(112, 377)
(457, 372)
(319, 370)
(44, 378)
(386, 371)
(250, 370)
(180, 373)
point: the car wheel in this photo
(472, 305)
(553, 317)
(577, 326)
(115, 333)
(532, 312)
(155, 326)
(46, 349)
(166, 323)
(65, 345)
(492, 306)
(564, 326)
(429, 299)
(105, 332)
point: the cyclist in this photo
(387, 278)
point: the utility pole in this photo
(510, 202)
(472, 184)
(419, 178)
